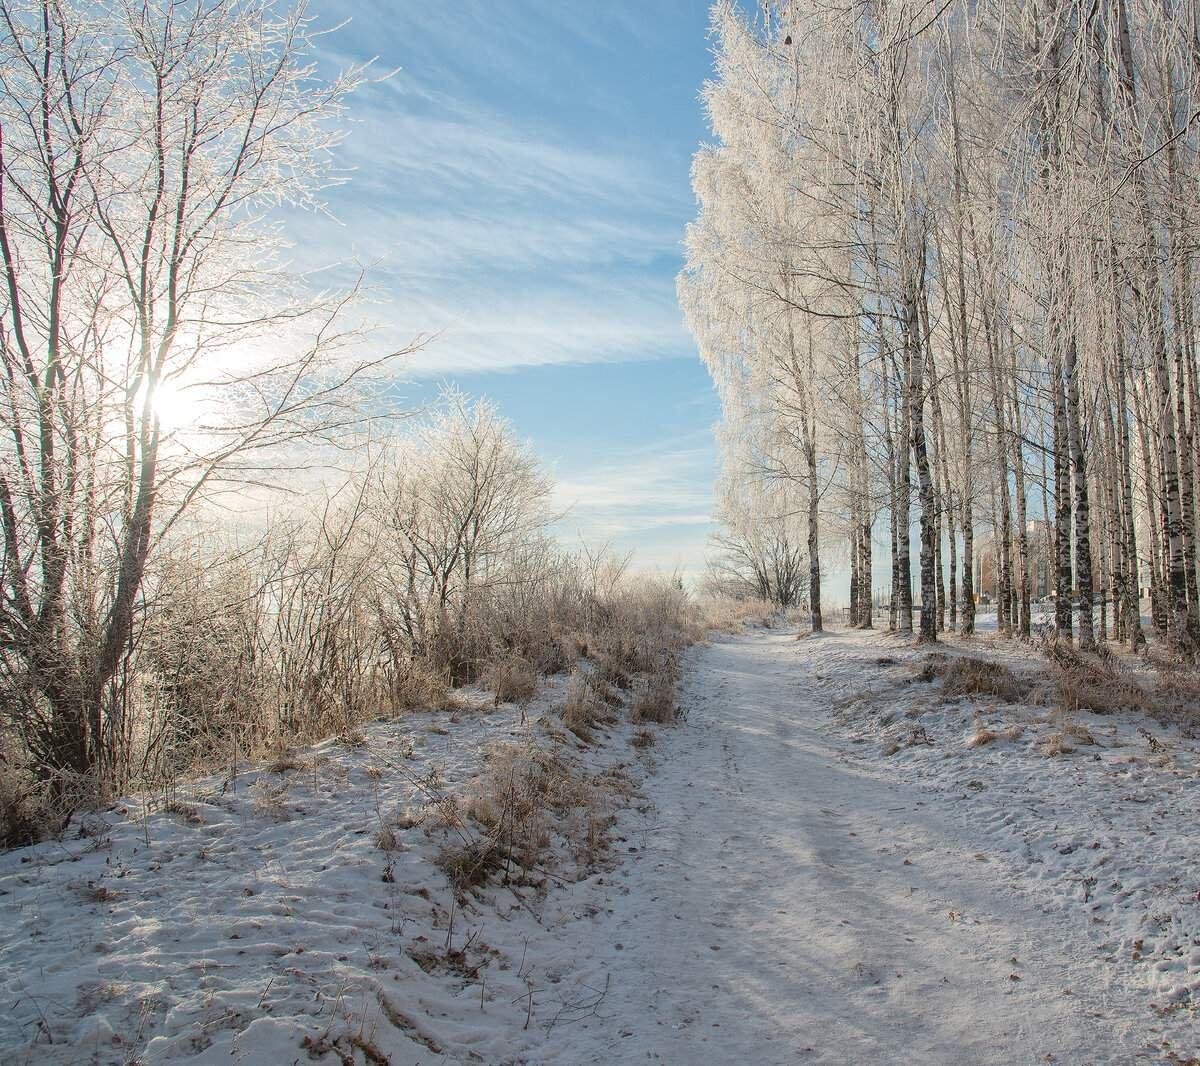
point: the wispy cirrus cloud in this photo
(520, 240)
(519, 188)
(639, 491)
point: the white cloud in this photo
(638, 494)
(516, 246)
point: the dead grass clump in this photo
(270, 800)
(285, 759)
(602, 690)
(1177, 697)
(444, 813)
(21, 823)
(555, 655)
(968, 675)
(406, 817)
(1055, 744)
(386, 838)
(25, 813)
(417, 686)
(453, 704)
(613, 674)
(1078, 733)
(472, 864)
(95, 892)
(189, 812)
(656, 702)
(352, 738)
(581, 712)
(1065, 739)
(1093, 682)
(639, 655)
(513, 680)
(983, 736)
(391, 825)
(527, 795)
(643, 738)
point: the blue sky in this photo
(521, 185)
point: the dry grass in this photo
(577, 716)
(1176, 697)
(656, 703)
(729, 615)
(26, 815)
(189, 812)
(968, 675)
(419, 687)
(95, 892)
(36, 808)
(1092, 682)
(602, 690)
(470, 865)
(644, 738)
(611, 673)
(1055, 744)
(586, 708)
(286, 759)
(625, 630)
(513, 680)
(1078, 733)
(386, 838)
(352, 738)
(526, 797)
(983, 736)
(1065, 739)
(270, 800)
(655, 700)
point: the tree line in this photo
(942, 275)
(164, 370)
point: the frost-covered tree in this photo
(977, 214)
(459, 507)
(153, 350)
(759, 552)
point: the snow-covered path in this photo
(819, 870)
(786, 903)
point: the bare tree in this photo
(144, 148)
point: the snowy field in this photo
(814, 867)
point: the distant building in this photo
(1041, 566)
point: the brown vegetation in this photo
(967, 675)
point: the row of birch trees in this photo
(942, 277)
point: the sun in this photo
(174, 407)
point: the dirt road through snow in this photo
(787, 902)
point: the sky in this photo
(519, 187)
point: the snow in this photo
(777, 889)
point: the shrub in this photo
(582, 711)
(513, 680)
(656, 702)
(966, 675)
(1092, 682)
